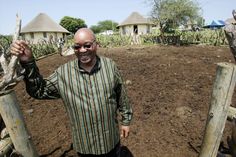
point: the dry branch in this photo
(12, 70)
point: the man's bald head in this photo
(84, 34)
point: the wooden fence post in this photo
(14, 121)
(220, 103)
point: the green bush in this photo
(43, 48)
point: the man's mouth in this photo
(84, 54)
(85, 57)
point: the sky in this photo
(93, 11)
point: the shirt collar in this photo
(95, 68)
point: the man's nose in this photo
(82, 49)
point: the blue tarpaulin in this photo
(215, 24)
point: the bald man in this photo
(93, 93)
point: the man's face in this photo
(85, 48)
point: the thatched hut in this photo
(135, 24)
(43, 28)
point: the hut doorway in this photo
(135, 29)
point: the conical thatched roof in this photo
(43, 23)
(133, 19)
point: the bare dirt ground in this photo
(170, 91)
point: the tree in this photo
(104, 25)
(96, 29)
(173, 13)
(107, 25)
(200, 21)
(72, 24)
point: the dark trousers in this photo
(113, 153)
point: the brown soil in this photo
(169, 88)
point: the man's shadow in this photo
(125, 152)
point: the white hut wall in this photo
(129, 29)
(42, 37)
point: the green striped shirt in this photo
(91, 101)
